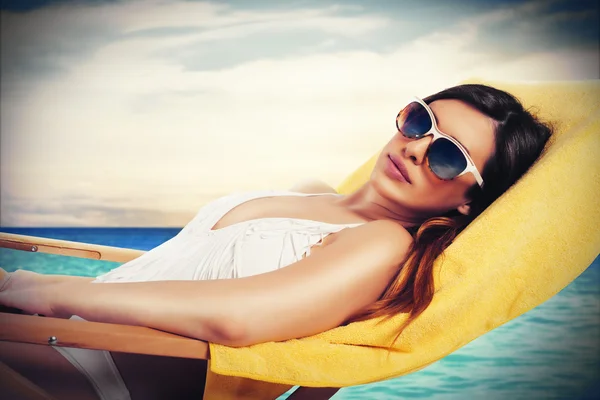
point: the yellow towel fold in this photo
(530, 244)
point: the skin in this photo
(348, 272)
(427, 195)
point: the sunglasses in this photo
(446, 157)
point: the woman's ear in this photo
(464, 209)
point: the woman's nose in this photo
(417, 149)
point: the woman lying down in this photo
(276, 265)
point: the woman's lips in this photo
(395, 169)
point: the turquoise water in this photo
(551, 352)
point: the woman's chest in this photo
(293, 207)
(302, 222)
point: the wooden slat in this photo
(67, 248)
(98, 336)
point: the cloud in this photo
(82, 211)
(47, 41)
(147, 109)
(540, 26)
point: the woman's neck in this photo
(369, 205)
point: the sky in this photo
(136, 113)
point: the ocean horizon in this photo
(550, 352)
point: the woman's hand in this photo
(31, 301)
(27, 291)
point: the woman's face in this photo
(426, 195)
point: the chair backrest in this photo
(527, 246)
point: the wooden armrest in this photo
(84, 334)
(67, 248)
(98, 336)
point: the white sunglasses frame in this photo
(437, 134)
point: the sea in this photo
(550, 352)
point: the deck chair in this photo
(526, 247)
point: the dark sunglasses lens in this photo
(414, 120)
(445, 159)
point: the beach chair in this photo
(530, 244)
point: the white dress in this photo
(242, 249)
(199, 253)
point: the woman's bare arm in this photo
(311, 296)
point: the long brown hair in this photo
(519, 140)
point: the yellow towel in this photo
(530, 244)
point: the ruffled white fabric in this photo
(238, 250)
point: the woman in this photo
(346, 258)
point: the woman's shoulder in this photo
(380, 230)
(387, 240)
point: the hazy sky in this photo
(135, 113)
